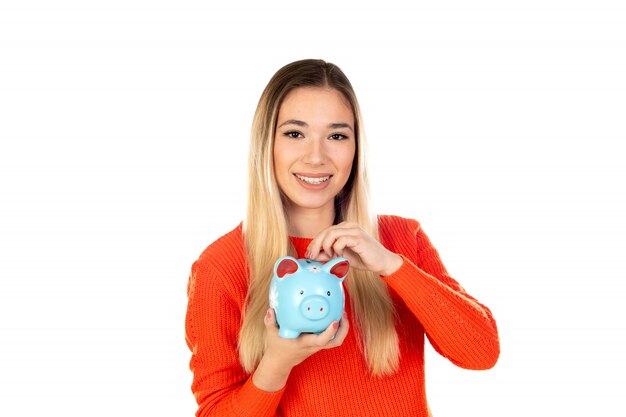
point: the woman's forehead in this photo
(315, 103)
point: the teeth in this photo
(313, 180)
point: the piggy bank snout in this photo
(314, 307)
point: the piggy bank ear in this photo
(339, 267)
(285, 266)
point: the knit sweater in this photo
(334, 382)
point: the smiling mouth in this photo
(312, 180)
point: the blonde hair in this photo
(265, 227)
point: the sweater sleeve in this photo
(457, 325)
(220, 384)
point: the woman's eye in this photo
(293, 134)
(338, 136)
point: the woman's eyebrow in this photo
(294, 122)
(340, 126)
(305, 124)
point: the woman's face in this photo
(314, 146)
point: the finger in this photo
(342, 332)
(327, 244)
(317, 245)
(270, 321)
(342, 243)
(329, 241)
(313, 251)
(347, 225)
(325, 337)
(322, 257)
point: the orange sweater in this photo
(335, 382)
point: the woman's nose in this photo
(315, 152)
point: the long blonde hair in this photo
(265, 227)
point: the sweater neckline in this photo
(301, 239)
(300, 244)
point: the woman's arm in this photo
(282, 355)
(220, 384)
(457, 325)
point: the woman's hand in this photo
(281, 354)
(353, 243)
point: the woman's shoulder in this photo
(396, 225)
(222, 266)
(225, 248)
(397, 233)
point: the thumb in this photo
(270, 321)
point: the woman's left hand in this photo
(348, 240)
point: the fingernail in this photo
(336, 325)
(268, 314)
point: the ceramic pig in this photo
(306, 295)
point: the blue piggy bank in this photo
(306, 295)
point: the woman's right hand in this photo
(281, 354)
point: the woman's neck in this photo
(302, 222)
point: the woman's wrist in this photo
(270, 376)
(395, 262)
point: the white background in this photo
(124, 127)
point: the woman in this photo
(308, 197)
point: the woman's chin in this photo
(312, 203)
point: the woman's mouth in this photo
(313, 180)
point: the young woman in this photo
(308, 197)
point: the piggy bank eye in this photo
(328, 293)
(301, 292)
